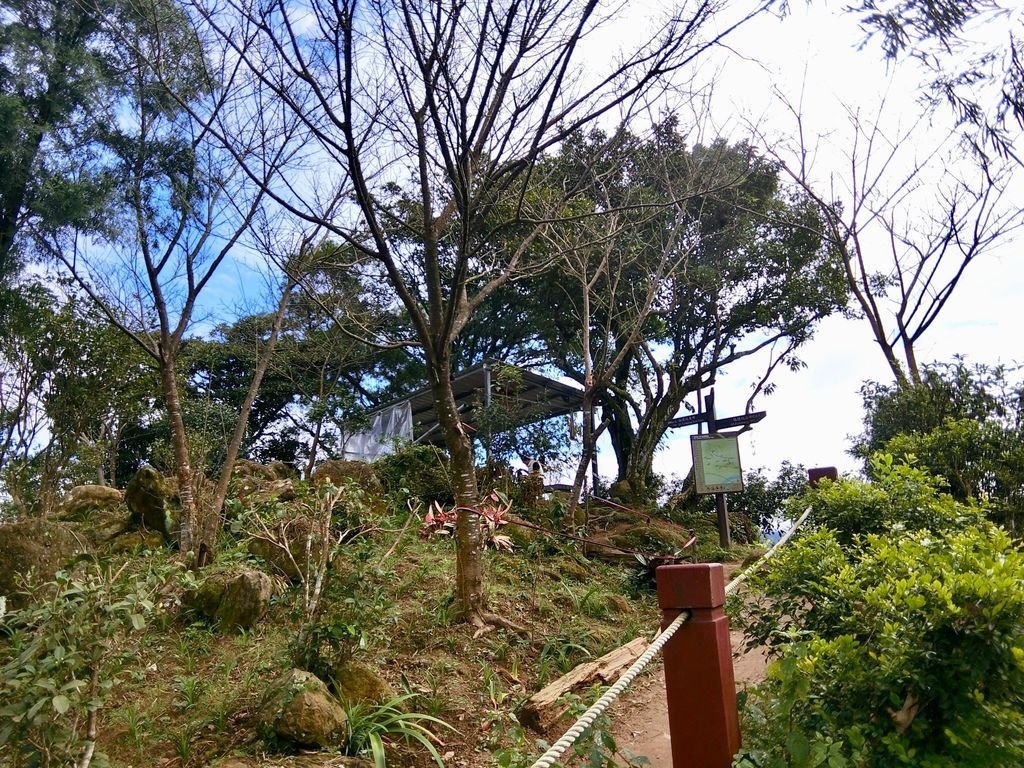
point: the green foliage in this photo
(902, 497)
(912, 654)
(898, 627)
(961, 423)
(62, 660)
(417, 472)
(372, 727)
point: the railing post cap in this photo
(698, 585)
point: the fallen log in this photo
(545, 707)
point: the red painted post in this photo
(699, 680)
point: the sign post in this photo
(716, 458)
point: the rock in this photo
(244, 601)
(356, 682)
(283, 471)
(83, 501)
(244, 468)
(617, 605)
(35, 547)
(148, 499)
(136, 541)
(260, 492)
(337, 472)
(234, 601)
(299, 709)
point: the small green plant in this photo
(183, 742)
(372, 727)
(596, 746)
(62, 663)
(135, 724)
(563, 653)
(190, 691)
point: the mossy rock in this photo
(291, 561)
(136, 541)
(83, 502)
(355, 682)
(244, 468)
(148, 496)
(573, 570)
(235, 601)
(337, 472)
(298, 709)
(38, 547)
(617, 605)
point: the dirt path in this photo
(640, 718)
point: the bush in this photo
(59, 667)
(901, 498)
(900, 647)
(417, 472)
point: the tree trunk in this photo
(188, 525)
(213, 523)
(469, 591)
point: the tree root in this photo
(487, 622)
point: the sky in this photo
(812, 57)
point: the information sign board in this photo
(716, 463)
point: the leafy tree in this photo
(729, 265)
(452, 107)
(185, 205)
(58, 84)
(961, 423)
(70, 386)
(980, 76)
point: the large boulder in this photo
(356, 682)
(337, 472)
(100, 509)
(286, 554)
(82, 502)
(297, 708)
(234, 601)
(35, 549)
(148, 497)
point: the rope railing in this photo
(587, 719)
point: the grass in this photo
(189, 694)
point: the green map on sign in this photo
(721, 462)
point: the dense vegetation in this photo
(419, 188)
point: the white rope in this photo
(557, 749)
(551, 756)
(734, 584)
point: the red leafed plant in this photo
(493, 513)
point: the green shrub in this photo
(417, 472)
(904, 651)
(901, 498)
(60, 663)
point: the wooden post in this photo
(722, 509)
(699, 680)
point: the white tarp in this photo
(387, 426)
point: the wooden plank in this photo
(545, 708)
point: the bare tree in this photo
(430, 119)
(908, 216)
(186, 205)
